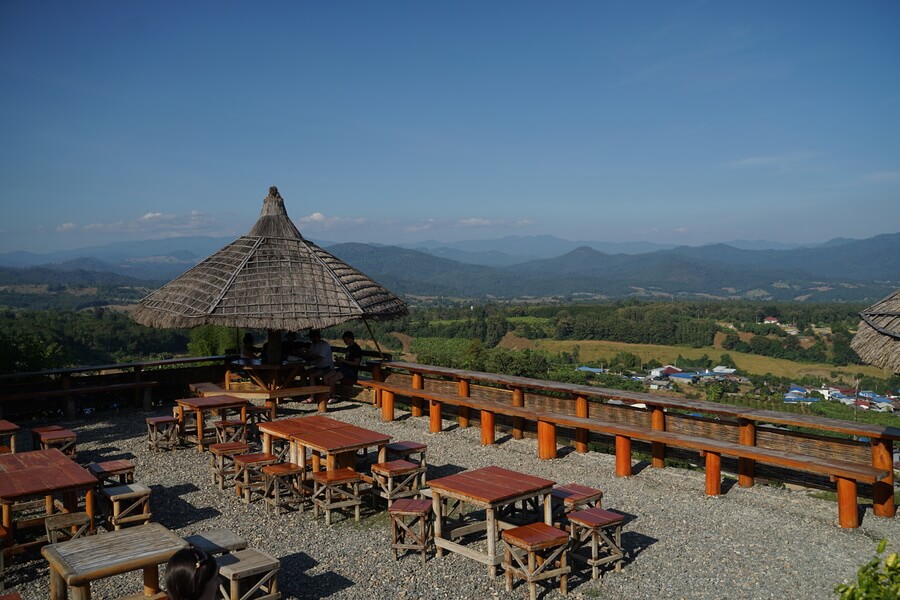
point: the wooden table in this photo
(267, 377)
(221, 404)
(285, 429)
(76, 563)
(491, 489)
(43, 473)
(336, 444)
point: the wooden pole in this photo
(657, 449)
(883, 491)
(418, 383)
(746, 466)
(518, 399)
(581, 434)
(462, 390)
(623, 456)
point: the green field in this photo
(598, 351)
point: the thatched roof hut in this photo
(878, 340)
(272, 278)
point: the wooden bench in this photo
(69, 393)
(845, 474)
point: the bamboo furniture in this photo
(200, 406)
(162, 432)
(8, 437)
(217, 541)
(411, 526)
(113, 472)
(600, 532)
(77, 563)
(536, 552)
(250, 574)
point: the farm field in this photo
(594, 350)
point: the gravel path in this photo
(760, 542)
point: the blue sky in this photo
(672, 122)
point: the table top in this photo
(85, 559)
(7, 427)
(40, 472)
(341, 439)
(286, 428)
(211, 402)
(490, 485)
(57, 434)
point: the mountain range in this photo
(536, 267)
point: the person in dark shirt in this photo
(349, 365)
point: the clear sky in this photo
(674, 122)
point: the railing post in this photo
(418, 383)
(462, 390)
(713, 473)
(487, 428)
(883, 491)
(434, 417)
(546, 440)
(581, 434)
(848, 509)
(746, 466)
(657, 449)
(518, 399)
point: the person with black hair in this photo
(192, 574)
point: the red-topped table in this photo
(491, 489)
(43, 473)
(286, 429)
(8, 435)
(221, 404)
(337, 445)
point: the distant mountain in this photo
(765, 245)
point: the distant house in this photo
(591, 370)
(797, 389)
(665, 371)
(724, 370)
(790, 398)
(771, 321)
(683, 377)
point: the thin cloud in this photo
(476, 222)
(782, 162)
(160, 225)
(320, 222)
(883, 177)
(65, 227)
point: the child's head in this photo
(348, 337)
(192, 574)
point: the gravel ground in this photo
(761, 542)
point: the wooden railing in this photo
(757, 439)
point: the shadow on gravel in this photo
(104, 454)
(639, 466)
(435, 471)
(176, 512)
(294, 583)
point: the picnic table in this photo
(337, 446)
(215, 404)
(77, 563)
(41, 474)
(488, 488)
(285, 429)
(266, 376)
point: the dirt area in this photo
(514, 342)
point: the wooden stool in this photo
(282, 486)
(66, 526)
(130, 504)
(395, 479)
(602, 530)
(574, 496)
(221, 460)
(247, 475)
(250, 570)
(531, 553)
(411, 451)
(61, 439)
(8, 437)
(256, 414)
(217, 541)
(113, 472)
(230, 430)
(36, 435)
(336, 490)
(407, 515)
(162, 433)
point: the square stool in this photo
(113, 472)
(162, 433)
(282, 486)
(248, 475)
(129, 504)
(411, 451)
(221, 461)
(60, 527)
(62, 439)
(411, 526)
(36, 435)
(336, 490)
(395, 479)
(531, 552)
(601, 531)
(250, 575)
(217, 541)
(256, 414)
(574, 496)
(230, 430)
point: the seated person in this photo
(192, 574)
(323, 368)
(349, 364)
(248, 350)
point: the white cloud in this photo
(64, 227)
(775, 161)
(161, 225)
(476, 222)
(320, 222)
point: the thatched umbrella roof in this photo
(272, 278)
(878, 340)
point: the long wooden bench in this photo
(845, 474)
(70, 393)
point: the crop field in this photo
(592, 350)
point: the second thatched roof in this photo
(271, 278)
(878, 340)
